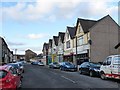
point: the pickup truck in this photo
(110, 67)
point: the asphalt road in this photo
(44, 77)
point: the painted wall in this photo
(104, 36)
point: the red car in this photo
(9, 78)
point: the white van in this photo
(110, 67)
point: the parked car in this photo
(21, 65)
(54, 65)
(41, 64)
(22, 62)
(67, 66)
(9, 78)
(110, 67)
(90, 68)
(35, 62)
(18, 66)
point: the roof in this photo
(46, 45)
(55, 38)
(5, 67)
(29, 51)
(61, 35)
(72, 31)
(50, 42)
(86, 24)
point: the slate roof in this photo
(50, 42)
(55, 40)
(86, 24)
(61, 35)
(46, 46)
(72, 31)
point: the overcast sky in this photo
(27, 24)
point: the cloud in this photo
(57, 9)
(36, 36)
(16, 43)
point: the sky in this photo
(27, 24)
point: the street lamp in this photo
(15, 54)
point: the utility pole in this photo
(15, 54)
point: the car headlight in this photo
(68, 66)
(97, 70)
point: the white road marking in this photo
(68, 79)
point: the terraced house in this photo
(50, 51)
(6, 55)
(96, 39)
(55, 49)
(82, 40)
(89, 40)
(69, 44)
(45, 52)
(60, 46)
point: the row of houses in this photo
(88, 40)
(5, 54)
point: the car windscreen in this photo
(14, 65)
(41, 62)
(2, 74)
(55, 63)
(68, 64)
(95, 64)
(20, 64)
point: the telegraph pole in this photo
(15, 54)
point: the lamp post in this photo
(76, 55)
(15, 54)
(76, 49)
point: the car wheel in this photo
(80, 71)
(102, 75)
(60, 68)
(20, 84)
(23, 71)
(91, 73)
(65, 69)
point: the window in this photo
(67, 35)
(13, 70)
(80, 41)
(68, 44)
(108, 61)
(2, 73)
(117, 60)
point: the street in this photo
(44, 77)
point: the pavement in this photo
(45, 77)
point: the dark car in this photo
(67, 66)
(18, 66)
(35, 62)
(90, 68)
(41, 63)
(22, 62)
(55, 65)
